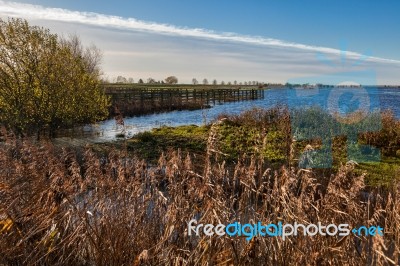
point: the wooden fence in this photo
(141, 100)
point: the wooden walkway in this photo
(140, 100)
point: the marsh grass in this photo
(150, 145)
(64, 207)
(279, 137)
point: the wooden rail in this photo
(140, 100)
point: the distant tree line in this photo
(174, 80)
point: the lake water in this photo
(341, 100)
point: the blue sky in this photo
(362, 27)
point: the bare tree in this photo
(91, 55)
(121, 79)
(194, 81)
(171, 80)
(151, 81)
(205, 81)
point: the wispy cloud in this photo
(107, 21)
(140, 49)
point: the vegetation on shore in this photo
(84, 208)
(47, 82)
(129, 204)
(150, 145)
(267, 134)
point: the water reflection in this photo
(385, 98)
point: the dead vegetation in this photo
(60, 207)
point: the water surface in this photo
(339, 99)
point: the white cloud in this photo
(154, 49)
(89, 18)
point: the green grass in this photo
(236, 139)
(151, 144)
(382, 173)
(265, 134)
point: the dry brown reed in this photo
(59, 207)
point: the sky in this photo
(269, 41)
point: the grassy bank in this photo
(150, 145)
(267, 134)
